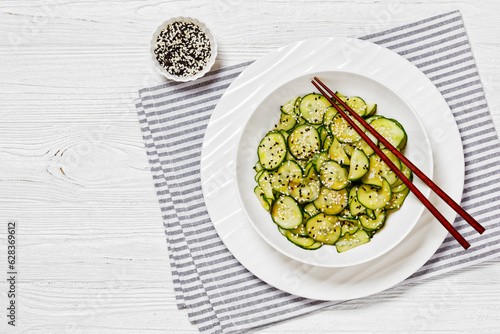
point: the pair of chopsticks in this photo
(396, 170)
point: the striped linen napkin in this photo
(220, 295)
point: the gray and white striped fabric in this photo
(220, 295)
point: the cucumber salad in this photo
(321, 182)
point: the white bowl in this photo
(213, 47)
(390, 104)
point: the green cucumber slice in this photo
(327, 143)
(265, 184)
(337, 153)
(289, 107)
(272, 150)
(304, 142)
(313, 107)
(311, 210)
(319, 159)
(348, 148)
(348, 241)
(397, 199)
(379, 170)
(289, 170)
(258, 175)
(390, 129)
(343, 131)
(262, 198)
(324, 228)
(331, 201)
(370, 213)
(323, 133)
(333, 176)
(286, 213)
(373, 224)
(258, 167)
(330, 113)
(349, 227)
(371, 109)
(305, 189)
(339, 94)
(374, 198)
(357, 104)
(315, 245)
(355, 207)
(303, 241)
(301, 229)
(359, 165)
(399, 185)
(287, 122)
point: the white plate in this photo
(267, 114)
(220, 147)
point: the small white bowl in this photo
(213, 49)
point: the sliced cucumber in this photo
(337, 153)
(265, 184)
(289, 170)
(301, 229)
(319, 159)
(289, 107)
(371, 109)
(324, 228)
(315, 245)
(310, 209)
(287, 122)
(333, 176)
(349, 227)
(304, 142)
(402, 145)
(348, 148)
(330, 113)
(272, 150)
(397, 199)
(342, 96)
(262, 198)
(399, 185)
(323, 133)
(330, 201)
(343, 131)
(307, 169)
(373, 198)
(390, 130)
(346, 214)
(357, 104)
(258, 175)
(313, 108)
(327, 143)
(376, 223)
(355, 207)
(305, 189)
(370, 213)
(379, 170)
(363, 146)
(359, 165)
(286, 213)
(348, 241)
(299, 240)
(258, 167)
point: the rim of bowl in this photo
(208, 33)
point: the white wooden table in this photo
(92, 256)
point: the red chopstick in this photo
(408, 163)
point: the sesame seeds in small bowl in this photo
(183, 49)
